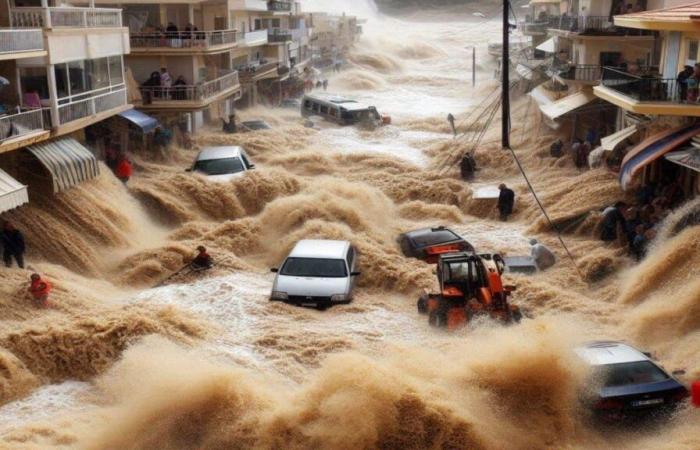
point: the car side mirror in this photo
(251, 166)
(355, 274)
(647, 354)
(678, 373)
(189, 169)
(274, 270)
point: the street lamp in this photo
(473, 47)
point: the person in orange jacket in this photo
(124, 169)
(40, 290)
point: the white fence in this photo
(190, 92)
(57, 17)
(92, 105)
(20, 41)
(14, 125)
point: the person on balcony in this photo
(171, 31)
(179, 90)
(693, 83)
(166, 82)
(682, 80)
(151, 86)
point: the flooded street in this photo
(211, 363)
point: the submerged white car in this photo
(317, 272)
(222, 163)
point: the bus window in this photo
(316, 107)
(307, 104)
(324, 109)
(333, 112)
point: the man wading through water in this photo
(12, 245)
(506, 199)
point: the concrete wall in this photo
(589, 50)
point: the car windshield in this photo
(637, 372)
(434, 237)
(314, 267)
(219, 166)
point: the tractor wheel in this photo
(422, 304)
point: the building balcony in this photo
(184, 42)
(578, 74)
(647, 93)
(259, 70)
(530, 27)
(21, 128)
(249, 5)
(65, 17)
(589, 26)
(279, 6)
(255, 38)
(16, 44)
(191, 97)
(276, 35)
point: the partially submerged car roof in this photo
(599, 353)
(230, 151)
(320, 248)
(256, 125)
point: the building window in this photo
(116, 70)
(34, 80)
(98, 73)
(692, 52)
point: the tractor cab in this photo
(469, 285)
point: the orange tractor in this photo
(470, 285)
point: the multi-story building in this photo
(65, 70)
(332, 38)
(669, 106)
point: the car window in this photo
(433, 238)
(638, 372)
(219, 166)
(314, 267)
(307, 104)
(351, 257)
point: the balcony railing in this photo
(580, 72)
(591, 25)
(276, 5)
(111, 98)
(184, 39)
(12, 41)
(255, 37)
(248, 71)
(278, 35)
(65, 17)
(645, 88)
(539, 25)
(198, 92)
(20, 124)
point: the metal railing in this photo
(21, 41)
(278, 35)
(255, 37)
(70, 17)
(248, 71)
(20, 124)
(647, 87)
(276, 5)
(189, 92)
(184, 39)
(580, 72)
(92, 105)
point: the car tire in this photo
(438, 317)
(322, 306)
(422, 304)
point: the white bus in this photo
(341, 110)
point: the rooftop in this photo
(311, 248)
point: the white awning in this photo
(610, 142)
(688, 157)
(548, 46)
(12, 192)
(68, 162)
(567, 104)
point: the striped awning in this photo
(68, 162)
(653, 148)
(12, 192)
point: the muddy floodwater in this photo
(209, 363)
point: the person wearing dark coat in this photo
(506, 200)
(612, 216)
(12, 245)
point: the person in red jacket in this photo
(40, 290)
(124, 169)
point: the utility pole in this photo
(473, 65)
(505, 81)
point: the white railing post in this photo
(53, 95)
(47, 17)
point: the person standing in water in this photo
(506, 200)
(12, 245)
(40, 290)
(451, 120)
